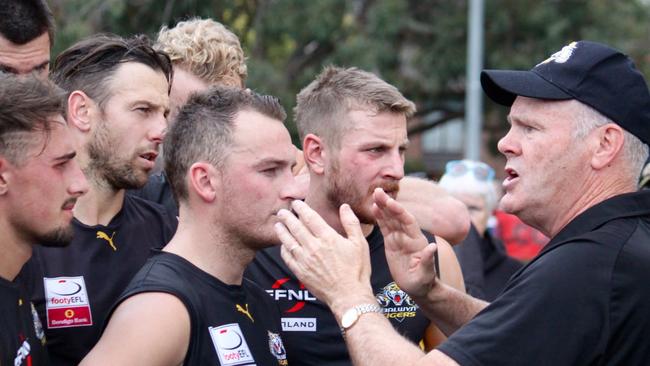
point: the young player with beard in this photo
(353, 127)
(117, 103)
(39, 184)
(229, 159)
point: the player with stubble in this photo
(229, 158)
(116, 108)
(353, 130)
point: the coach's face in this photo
(545, 165)
(43, 189)
(130, 128)
(257, 179)
(371, 155)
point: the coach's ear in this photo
(609, 143)
(204, 181)
(4, 176)
(80, 106)
(315, 154)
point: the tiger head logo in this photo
(392, 293)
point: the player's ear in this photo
(80, 107)
(204, 181)
(315, 154)
(5, 174)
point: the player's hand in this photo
(409, 255)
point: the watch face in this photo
(349, 318)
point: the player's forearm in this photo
(435, 210)
(449, 308)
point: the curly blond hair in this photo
(207, 49)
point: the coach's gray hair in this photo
(635, 152)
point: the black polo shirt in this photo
(584, 300)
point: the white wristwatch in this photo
(351, 315)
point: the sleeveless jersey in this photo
(74, 287)
(230, 325)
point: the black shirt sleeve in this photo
(552, 313)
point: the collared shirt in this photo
(582, 301)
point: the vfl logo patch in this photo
(104, 236)
(396, 303)
(230, 345)
(277, 348)
(67, 302)
(562, 55)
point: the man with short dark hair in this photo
(117, 103)
(40, 183)
(189, 44)
(578, 138)
(229, 159)
(26, 35)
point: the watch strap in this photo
(362, 309)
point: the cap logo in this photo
(562, 55)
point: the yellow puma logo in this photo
(244, 311)
(103, 235)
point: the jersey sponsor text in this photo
(299, 324)
(67, 302)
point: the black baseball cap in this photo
(591, 72)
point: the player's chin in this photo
(139, 177)
(267, 241)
